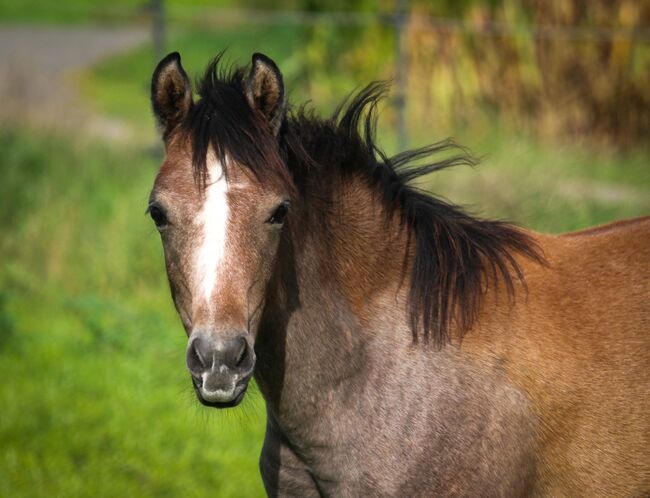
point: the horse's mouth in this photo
(220, 404)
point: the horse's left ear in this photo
(264, 90)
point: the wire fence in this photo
(395, 19)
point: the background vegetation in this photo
(95, 398)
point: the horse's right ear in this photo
(171, 92)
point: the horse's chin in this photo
(241, 392)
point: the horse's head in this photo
(219, 203)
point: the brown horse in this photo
(403, 347)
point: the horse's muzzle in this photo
(220, 367)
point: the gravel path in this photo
(36, 68)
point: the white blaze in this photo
(213, 219)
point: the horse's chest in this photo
(454, 441)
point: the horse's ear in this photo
(171, 92)
(265, 91)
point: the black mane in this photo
(457, 256)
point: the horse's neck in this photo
(329, 279)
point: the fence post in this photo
(158, 28)
(401, 69)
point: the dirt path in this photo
(36, 68)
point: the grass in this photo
(96, 400)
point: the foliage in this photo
(556, 68)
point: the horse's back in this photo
(587, 341)
(602, 284)
(612, 263)
(599, 277)
(628, 228)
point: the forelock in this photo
(223, 121)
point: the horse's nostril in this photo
(196, 362)
(241, 356)
(232, 352)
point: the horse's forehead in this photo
(177, 186)
(176, 173)
(176, 179)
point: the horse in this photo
(402, 346)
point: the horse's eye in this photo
(158, 215)
(277, 218)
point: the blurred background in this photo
(95, 399)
